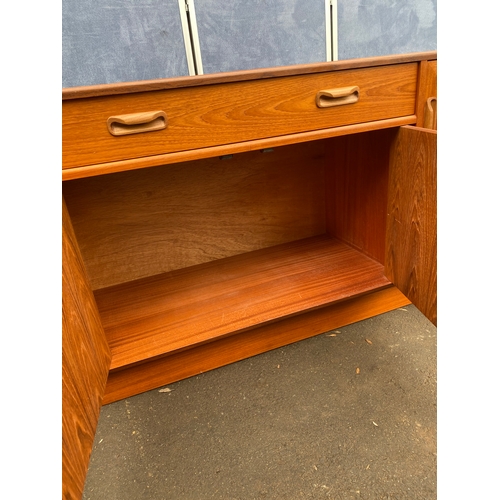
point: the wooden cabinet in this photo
(254, 219)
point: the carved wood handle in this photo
(136, 123)
(337, 97)
(430, 113)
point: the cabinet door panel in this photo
(411, 235)
(85, 365)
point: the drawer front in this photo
(198, 117)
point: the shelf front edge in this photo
(156, 373)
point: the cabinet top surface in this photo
(255, 74)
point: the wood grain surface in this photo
(173, 311)
(229, 113)
(141, 223)
(427, 87)
(85, 364)
(239, 147)
(357, 175)
(411, 244)
(241, 75)
(135, 379)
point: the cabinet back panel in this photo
(141, 223)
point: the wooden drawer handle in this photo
(430, 113)
(337, 97)
(136, 123)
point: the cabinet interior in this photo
(182, 254)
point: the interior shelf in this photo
(166, 313)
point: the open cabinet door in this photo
(411, 235)
(85, 365)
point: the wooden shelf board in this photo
(167, 313)
(127, 382)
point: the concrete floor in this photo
(350, 414)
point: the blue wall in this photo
(108, 41)
(382, 27)
(243, 34)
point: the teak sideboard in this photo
(208, 219)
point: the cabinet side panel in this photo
(411, 245)
(85, 364)
(356, 189)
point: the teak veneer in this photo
(242, 217)
(234, 112)
(166, 313)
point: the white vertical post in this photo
(191, 39)
(194, 37)
(331, 26)
(328, 29)
(335, 30)
(186, 32)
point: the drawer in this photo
(225, 113)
